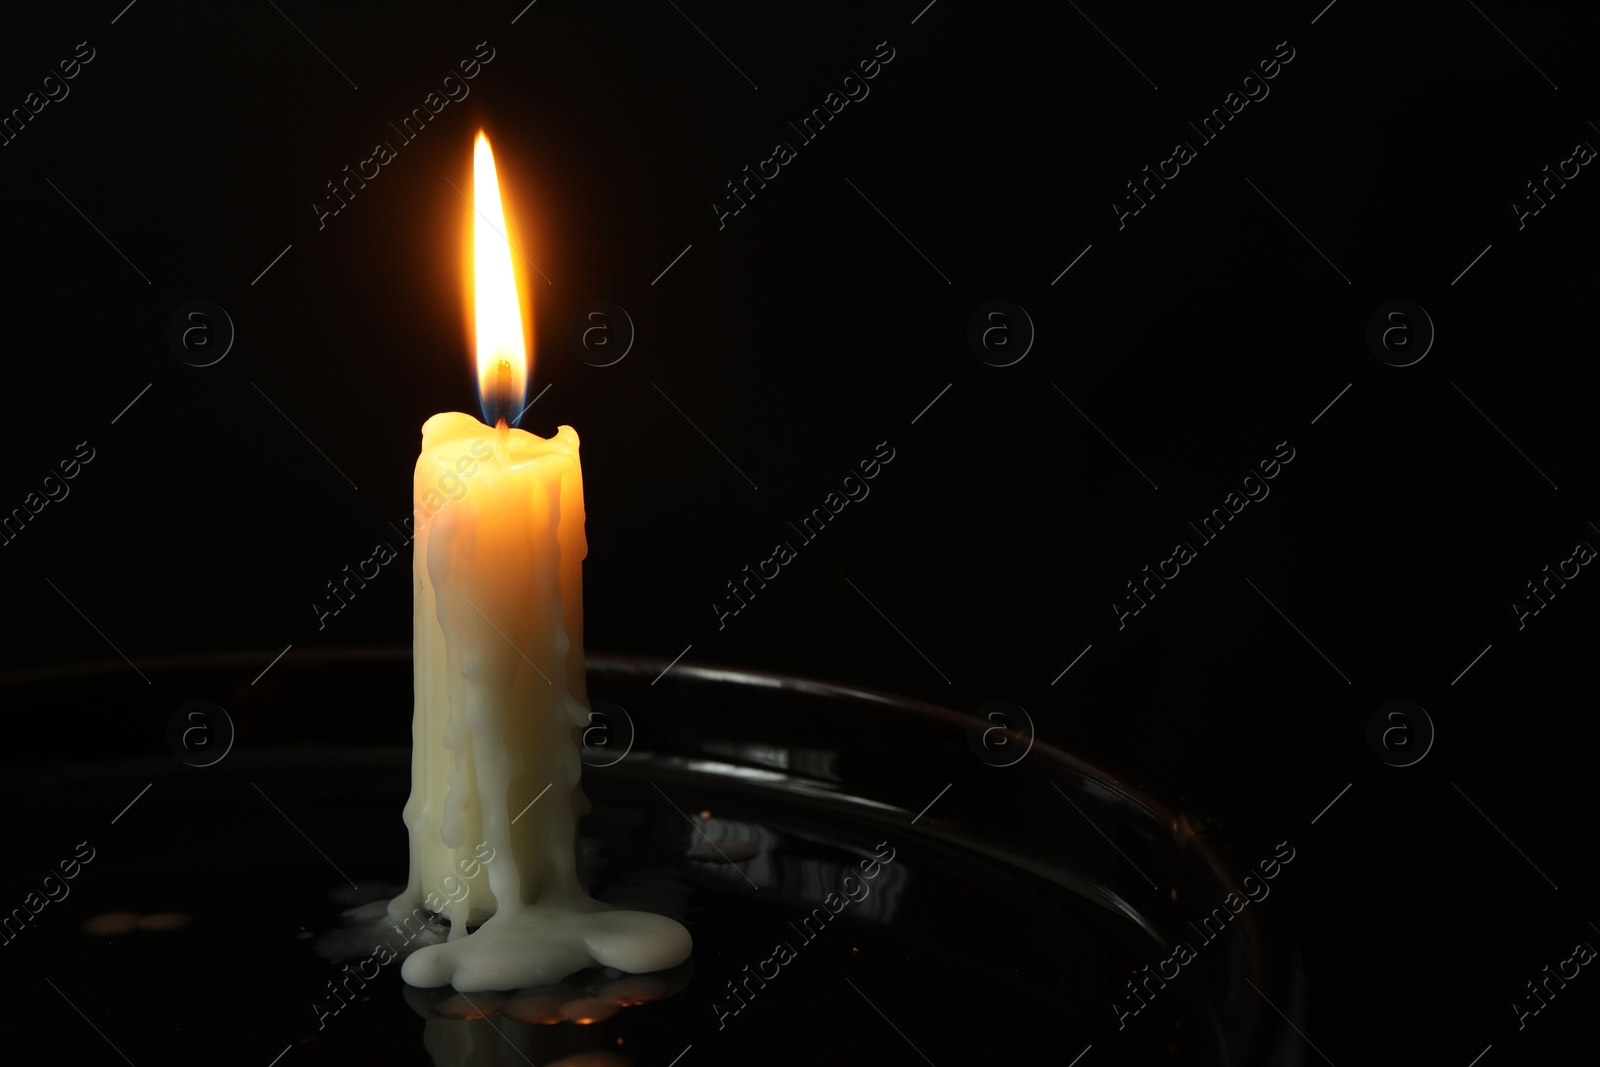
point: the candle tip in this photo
(502, 395)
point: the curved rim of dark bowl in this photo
(1276, 969)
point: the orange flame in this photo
(502, 349)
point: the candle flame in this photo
(497, 313)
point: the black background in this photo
(823, 319)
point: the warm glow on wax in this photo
(499, 698)
(497, 318)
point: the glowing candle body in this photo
(497, 630)
(500, 697)
(499, 702)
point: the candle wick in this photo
(502, 392)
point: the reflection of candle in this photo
(499, 672)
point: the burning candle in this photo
(499, 674)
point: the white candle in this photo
(500, 695)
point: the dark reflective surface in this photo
(858, 876)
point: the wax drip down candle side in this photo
(499, 695)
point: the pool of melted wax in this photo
(541, 943)
(800, 956)
(632, 927)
